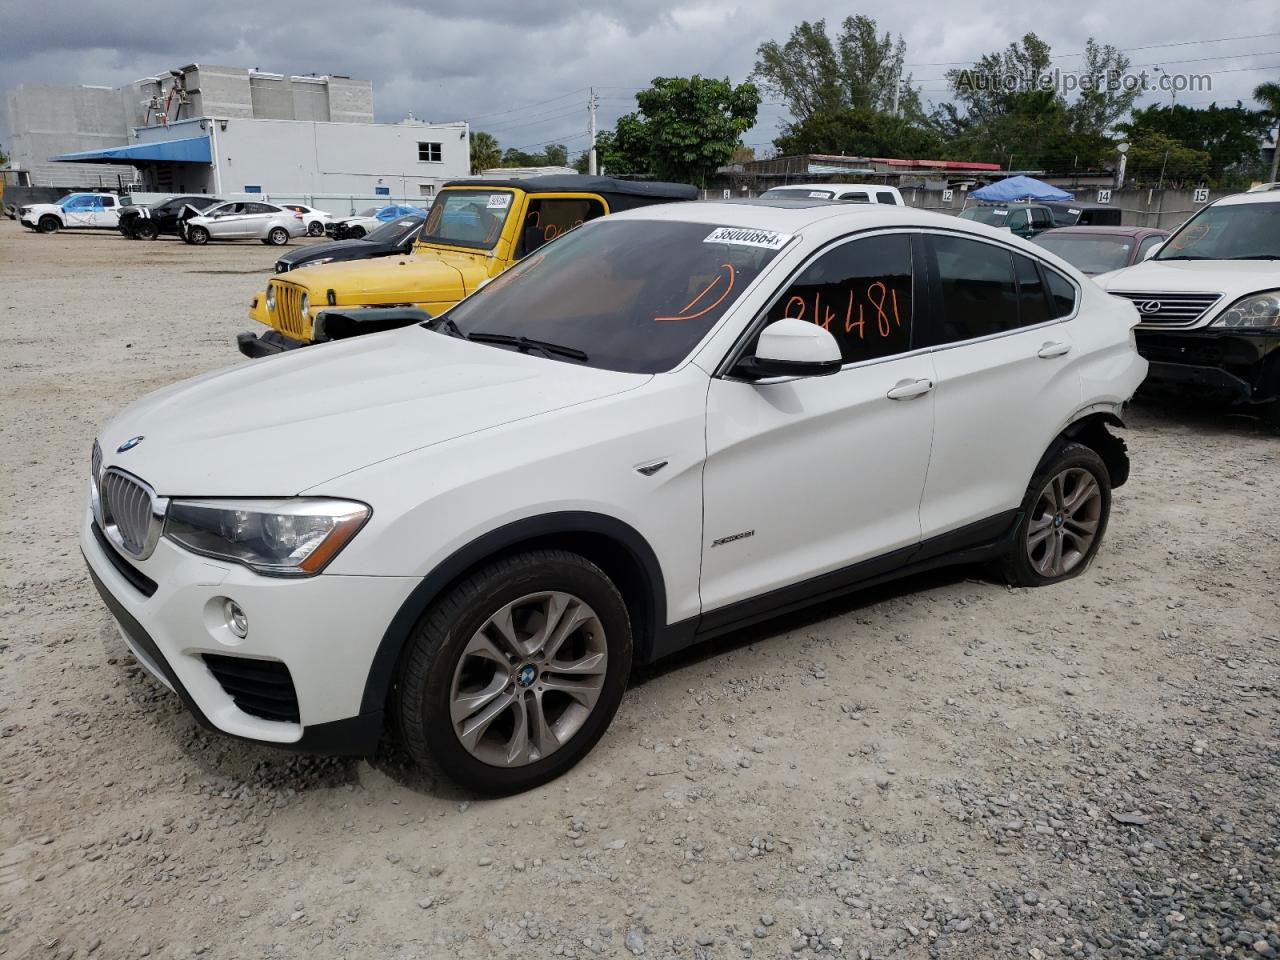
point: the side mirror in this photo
(1153, 251)
(792, 348)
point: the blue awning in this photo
(1020, 188)
(187, 150)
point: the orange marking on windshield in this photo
(685, 315)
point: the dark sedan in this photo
(398, 236)
(1095, 250)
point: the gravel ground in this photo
(944, 768)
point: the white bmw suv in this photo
(668, 424)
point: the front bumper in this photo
(267, 344)
(1231, 364)
(324, 629)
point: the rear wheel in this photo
(49, 224)
(146, 230)
(514, 674)
(1064, 516)
(278, 237)
(197, 235)
(315, 229)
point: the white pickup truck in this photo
(91, 211)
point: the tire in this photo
(1057, 538)
(146, 230)
(1271, 416)
(197, 235)
(355, 233)
(315, 229)
(49, 224)
(277, 236)
(440, 667)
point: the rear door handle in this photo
(906, 389)
(1052, 349)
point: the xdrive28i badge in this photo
(129, 444)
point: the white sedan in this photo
(245, 220)
(316, 220)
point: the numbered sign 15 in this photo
(1201, 195)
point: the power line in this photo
(536, 103)
(1153, 46)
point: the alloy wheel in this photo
(528, 679)
(1064, 522)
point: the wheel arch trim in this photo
(382, 669)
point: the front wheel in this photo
(514, 675)
(197, 235)
(49, 224)
(355, 233)
(146, 231)
(1064, 516)
(315, 229)
(278, 237)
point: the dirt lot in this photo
(945, 768)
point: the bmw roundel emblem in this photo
(129, 444)
(527, 675)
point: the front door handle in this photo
(906, 389)
(1052, 349)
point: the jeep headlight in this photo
(306, 304)
(1255, 310)
(295, 537)
(271, 297)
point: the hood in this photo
(278, 426)
(389, 280)
(41, 208)
(334, 247)
(1232, 278)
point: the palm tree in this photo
(485, 151)
(1268, 94)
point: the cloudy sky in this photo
(520, 68)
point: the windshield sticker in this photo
(499, 201)
(745, 237)
(819, 194)
(1073, 211)
(1001, 213)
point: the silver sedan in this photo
(245, 220)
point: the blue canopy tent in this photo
(1019, 188)
(186, 150)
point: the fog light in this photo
(237, 620)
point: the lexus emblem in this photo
(1149, 306)
(129, 444)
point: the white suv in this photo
(1209, 299)
(668, 424)
(83, 211)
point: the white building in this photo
(228, 131)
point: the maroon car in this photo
(1095, 250)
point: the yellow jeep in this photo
(474, 231)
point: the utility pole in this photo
(897, 89)
(592, 102)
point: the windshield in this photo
(796, 193)
(632, 295)
(467, 218)
(1237, 231)
(368, 212)
(1088, 253)
(393, 231)
(74, 200)
(992, 216)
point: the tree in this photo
(685, 128)
(1268, 94)
(1158, 160)
(485, 151)
(555, 155)
(1106, 100)
(862, 132)
(1229, 135)
(814, 75)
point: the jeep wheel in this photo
(197, 235)
(278, 237)
(315, 229)
(49, 224)
(146, 230)
(1064, 516)
(514, 674)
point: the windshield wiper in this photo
(527, 343)
(1184, 256)
(451, 328)
(1258, 256)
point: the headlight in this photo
(296, 537)
(306, 305)
(95, 470)
(1255, 310)
(318, 261)
(271, 296)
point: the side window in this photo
(1033, 305)
(861, 292)
(855, 197)
(1040, 218)
(258, 208)
(1062, 293)
(884, 196)
(1147, 243)
(107, 201)
(979, 295)
(1017, 220)
(547, 219)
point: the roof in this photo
(583, 183)
(186, 150)
(1110, 231)
(792, 216)
(834, 185)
